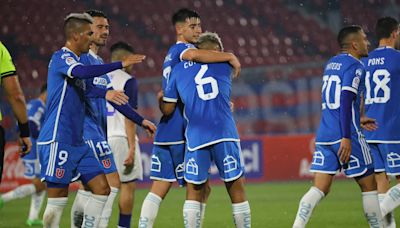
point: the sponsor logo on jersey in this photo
(100, 81)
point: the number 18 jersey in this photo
(382, 99)
(342, 72)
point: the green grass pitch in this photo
(272, 205)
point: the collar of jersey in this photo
(348, 54)
(93, 54)
(383, 47)
(67, 49)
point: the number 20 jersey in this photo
(382, 94)
(342, 72)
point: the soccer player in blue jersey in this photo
(382, 104)
(339, 142)
(36, 109)
(95, 125)
(169, 142)
(61, 147)
(204, 90)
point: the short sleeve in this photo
(131, 90)
(171, 91)
(7, 67)
(65, 62)
(183, 48)
(352, 78)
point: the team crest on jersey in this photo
(106, 163)
(60, 173)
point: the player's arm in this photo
(16, 99)
(167, 99)
(208, 56)
(350, 84)
(131, 89)
(81, 71)
(366, 122)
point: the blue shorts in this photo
(167, 163)
(227, 156)
(378, 156)
(60, 162)
(31, 163)
(103, 153)
(326, 160)
(386, 158)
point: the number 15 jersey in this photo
(382, 99)
(342, 72)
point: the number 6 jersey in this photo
(205, 91)
(342, 72)
(382, 94)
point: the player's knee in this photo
(105, 191)
(207, 191)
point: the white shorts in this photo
(120, 148)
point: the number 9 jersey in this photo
(382, 99)
(342, 72)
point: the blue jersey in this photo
(342, 72)
(382, 100)
(205, 91)
(170, 130)
(96, 110)
(35, 109)
(65, 107)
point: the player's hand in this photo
(117, 96)
(344, 150)
(129, 161)
(368, 124)
(236, 66)
(160, 95)
(25, 146)
(132, 59)
(149, 127)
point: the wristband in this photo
(23, 129)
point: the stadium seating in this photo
(262, 34)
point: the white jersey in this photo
(120, 80)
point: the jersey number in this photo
(381, 78)
(326, 88)
(201, 81)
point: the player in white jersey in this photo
(61, 146)
(122, 138)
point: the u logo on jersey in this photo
(60, 173)
(106, 163)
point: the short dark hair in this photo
(385, 26)
(121, 46)
(183, 14)
(96, 13)
(74, 21)
(345, 32)
(43, 88)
